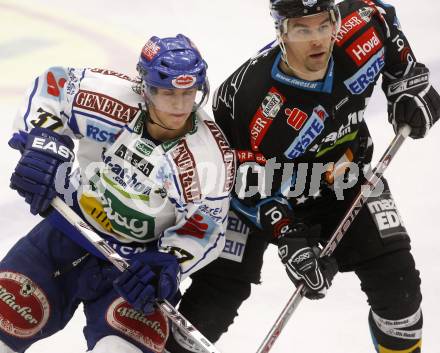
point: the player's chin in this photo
(318, 62)
(177, 120)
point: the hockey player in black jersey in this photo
(299, 102)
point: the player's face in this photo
(172, 106)
(308, 42)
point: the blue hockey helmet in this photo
(172, 62)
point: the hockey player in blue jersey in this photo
(145, 149)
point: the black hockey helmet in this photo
(281, 10)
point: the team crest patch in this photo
(151, 331)
(24, 308)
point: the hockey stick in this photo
(355, 207)
(121, 264)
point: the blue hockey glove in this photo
(156, 277)
(42, 153)
(412, 101)
(303, 265)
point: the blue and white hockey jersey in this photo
(129, 189)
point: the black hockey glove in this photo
(272, 215)
(303, 264)
(413, 101)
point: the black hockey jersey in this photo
(267, 114)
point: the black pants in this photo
(376, 247)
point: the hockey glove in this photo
(273, 215)
(155, 277)
(412, 101)
(42, 153)
(303, 264)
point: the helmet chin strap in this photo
(152, 122)
(149, 118)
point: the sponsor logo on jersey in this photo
(296, 117)
(194, 227)
(405, 51)
(145, 147)
(271, 104)
(112, 73)
(278, 219)
(184, 81)
(127, 221)
(150, 50)
(366, 13)
(308, 133)
(127, 250)
(248, 156)
(72, 83)
(263, 117)
(187, 171)
(215, 213)
(236, 239)
(200, 227)
(368, 73)
(105, 105)
(227, 154)
(135, 160)
(100, 132)
(386, 216)
(54, 86)
(296, 82)
(54, 83)
(150, 331)
(349, 26)
(125, 177)
(364, 47)
(24, 307)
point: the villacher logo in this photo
(149, 330)
(24, 307)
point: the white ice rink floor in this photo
(38, 34)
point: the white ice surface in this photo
(41, 33)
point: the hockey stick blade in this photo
(121, 264)
(355, 207)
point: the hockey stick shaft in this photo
(355, 207)
(121, 264)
